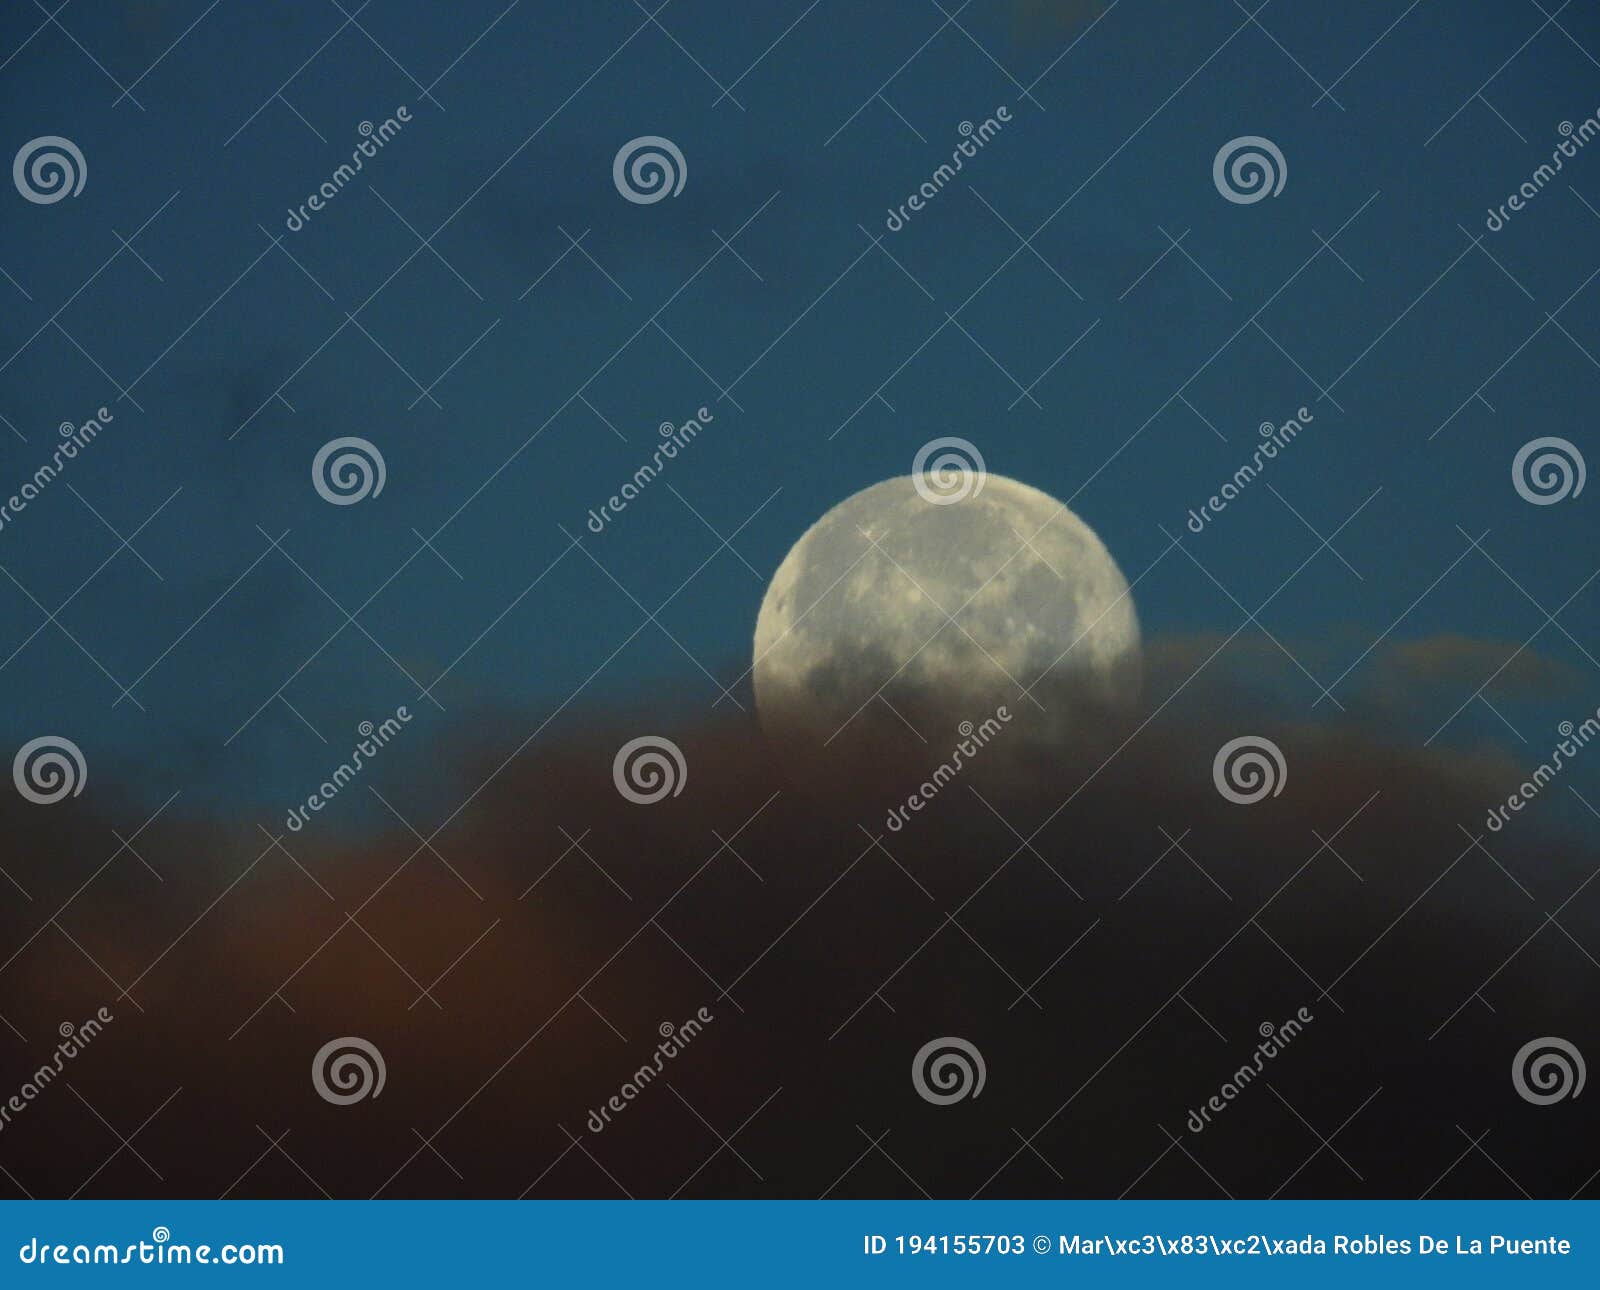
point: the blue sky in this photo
(551, 370)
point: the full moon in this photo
(903, 608)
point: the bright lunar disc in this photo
(894, 605)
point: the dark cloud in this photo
(1110, 933)
(1451, 659)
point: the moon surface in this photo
(902, 609)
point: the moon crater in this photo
(896, 615)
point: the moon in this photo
(908, 605)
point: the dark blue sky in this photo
(551, 370)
